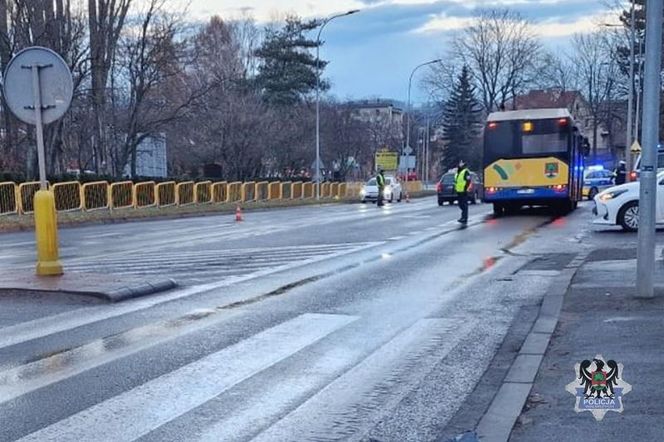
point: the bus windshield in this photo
(510, 139)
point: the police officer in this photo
(380, 182)
(620, 174)
(462, 182)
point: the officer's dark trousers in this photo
(379, 198)
(462, 198)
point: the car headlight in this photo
(608, 196)
(363, 192)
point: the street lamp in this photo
(410, 84)
(322, 26)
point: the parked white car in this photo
(393, 190)
(619, 205)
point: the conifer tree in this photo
(462, 124)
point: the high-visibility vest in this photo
(460, 181)
(380, 181)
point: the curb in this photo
(137, 291)
(111, 296)
(497, 423)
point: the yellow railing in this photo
(219, 192)
(234, 192)
(296, 192)
(145, 195)
(248, 191)
(261, 191)
(67, 196)
(95, 196)
(100, 195)
(26, 197)
(203, 192)
(8, 201)
(274, 191)
(307, 190)
(334, 190)
(121, 195)
(285, 190)
(185, 193)
(165, 194)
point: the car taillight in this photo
(633, 176)
(559, 187)
(491, 190)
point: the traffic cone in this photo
(407, 197)
(238, 214)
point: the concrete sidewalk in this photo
(601, 316)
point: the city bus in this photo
(533, 158)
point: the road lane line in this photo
(40, 328)
(356, 400)
(137, 412)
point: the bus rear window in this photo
(544, 143)
(502, 139)
(546, 136)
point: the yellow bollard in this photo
(46, 231)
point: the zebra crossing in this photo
(191, 267)
(343, 389)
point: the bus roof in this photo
(530, 114)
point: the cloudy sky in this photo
(372, 53)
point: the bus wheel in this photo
(498, 210)
(564, 208)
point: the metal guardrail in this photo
(102, 195)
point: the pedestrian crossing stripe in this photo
(135, 413)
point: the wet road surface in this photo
(340, 322)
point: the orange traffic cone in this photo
(238, 214)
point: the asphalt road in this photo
(338, 322)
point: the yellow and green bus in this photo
(533, 158)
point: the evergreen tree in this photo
(288, 68)
(462, 125)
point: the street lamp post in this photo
(320, 31)
(408, 110)
(648, 187)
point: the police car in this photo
(596, 180)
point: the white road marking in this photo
(397, 238)
(50, 325)
(364, 393)
(136, 412)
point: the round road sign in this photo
(55, 81)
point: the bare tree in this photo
(597, 73)
(106, 20)
(556, 73)
(500, 48)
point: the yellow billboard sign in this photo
(387, 160)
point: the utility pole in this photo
(648, 179)
(318, 73)
(408, 110)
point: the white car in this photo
(619, 205)
(392, 191)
